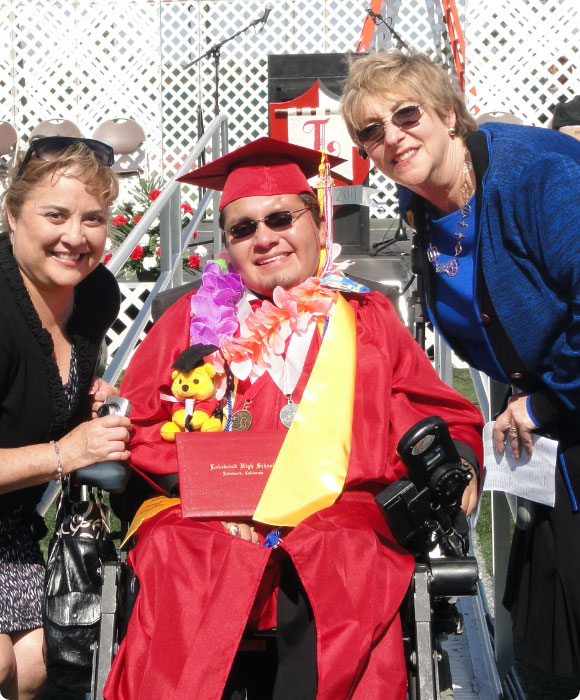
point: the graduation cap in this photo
(192, 357)
(263, 167)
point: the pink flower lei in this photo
(263, 333)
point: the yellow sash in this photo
(310, 470)
(147, 510)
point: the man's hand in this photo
(99, 390)
(470, 495)
(514, 425)
(242, 530)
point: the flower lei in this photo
(213, 308)
(263, 333)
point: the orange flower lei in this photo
(264, 332)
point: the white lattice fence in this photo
(523, 56)
(91, 61)
(133, 295)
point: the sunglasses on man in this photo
(277, 221)
(404, 118)
(52, 147)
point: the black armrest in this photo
(109, 476)
(454, 576)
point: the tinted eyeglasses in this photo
(51, 147)
(277, 221)
(403, 118)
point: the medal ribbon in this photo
(286, 371)
(310, 470)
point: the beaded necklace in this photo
(451, 266)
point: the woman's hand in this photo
(514, 425)
(95, 441)
(242, 530)
(99, 390)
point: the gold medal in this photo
(242, 419)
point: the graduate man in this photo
(326, 382)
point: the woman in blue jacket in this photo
(496, 209)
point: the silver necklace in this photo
(451, 266)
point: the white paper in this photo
(530, 476)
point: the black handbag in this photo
(72, 598)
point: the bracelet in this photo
(59, 462)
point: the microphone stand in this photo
(215, 51)
(379, 19)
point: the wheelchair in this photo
(421, 518)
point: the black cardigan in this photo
(33, 408)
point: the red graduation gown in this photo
(200, 586)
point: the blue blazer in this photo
(527, 264)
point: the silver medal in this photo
(288, 412)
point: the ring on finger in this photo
(513, 432)
(234, 530)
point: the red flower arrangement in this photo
(194, 261)
(137, 253)
(146, 256)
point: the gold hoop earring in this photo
(452, 131)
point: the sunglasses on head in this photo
(51, 147)
(403, 118)
(277, 221)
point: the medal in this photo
(288, 412)
(242, 419)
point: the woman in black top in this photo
(57, 302)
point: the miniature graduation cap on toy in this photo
(263, 167)
(192, 357)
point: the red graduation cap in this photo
(263, 167)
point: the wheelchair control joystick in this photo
(425, 509)
(111, 475)
(114, 406)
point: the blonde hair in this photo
(394, 73)
(99, 178)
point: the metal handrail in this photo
(173, 240)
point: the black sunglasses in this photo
(51, 147)
(277, 221)
(403, 118)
